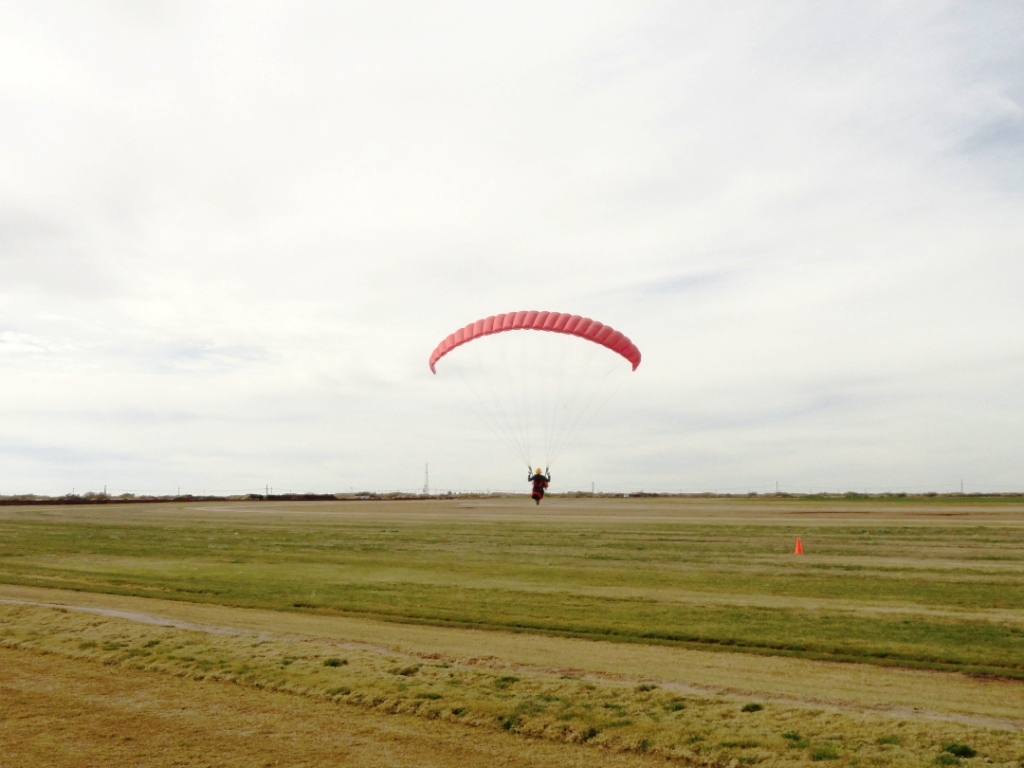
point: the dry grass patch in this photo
(62, 712)
(617, 717)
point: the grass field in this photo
(698, 609)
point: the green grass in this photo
(907, 588)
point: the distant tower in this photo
(426, 480)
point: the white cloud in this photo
(229, 239)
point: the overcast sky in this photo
(231, 234)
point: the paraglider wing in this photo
(553, 322)
(527, 386)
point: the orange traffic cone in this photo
(799, 547)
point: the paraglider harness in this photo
(540, 482)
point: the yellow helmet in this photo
(538, 471)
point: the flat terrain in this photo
(82, 715)
(639, 628)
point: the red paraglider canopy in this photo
(553, 322)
